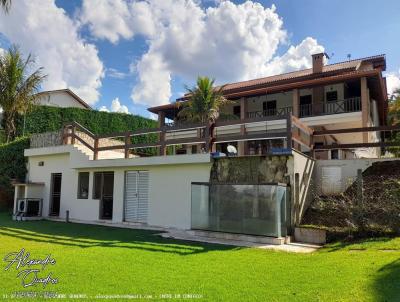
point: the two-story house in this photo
(293, 132)
(349, 94)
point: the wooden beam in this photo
(143, 145)
(302, 126)
(358, 145)
(184, 141)
(131, 133)
(354, 130)
(298, 139)
(83, 142)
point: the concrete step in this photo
(239, 237)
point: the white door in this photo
(331, 180)
(136, 196)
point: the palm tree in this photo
(18, 88)
(5, 4)
(394, 108)
(204, 103)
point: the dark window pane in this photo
(83, 185)
(97, 185)
(236, 111)
(331, 96)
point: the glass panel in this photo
(200, 208)
(245, 209)
(83, 185)
(97, 185)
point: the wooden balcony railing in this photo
(342, 106)
(197, 133)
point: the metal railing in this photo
(47, 139)
(342, 106)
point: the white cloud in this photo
(98, 14)
(153, 116)
(104, 109)
(116, 106)
(114, 73)
(297, 57)
(229, 42)
(116, 19)
(45, 30)
(392, 81)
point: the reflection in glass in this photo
(245, 209)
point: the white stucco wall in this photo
(170, 181)
(348, 169)
(59, 99)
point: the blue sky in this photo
(144, 66)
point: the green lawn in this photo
(95, 260)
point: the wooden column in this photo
(96, 146)
(161, 123)
(242, 146)
(289, 131)
(318, 96)
(296, 103)
(127, 142)
(73, 135)
(364, 107)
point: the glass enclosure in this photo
(244, 209)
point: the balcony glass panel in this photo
(244, 209)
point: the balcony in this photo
(342, 106)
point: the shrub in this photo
(12, 166)
(46, 118)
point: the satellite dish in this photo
(231, 149)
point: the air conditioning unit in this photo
(29, 207)
(21, 206)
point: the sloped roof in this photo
(71, 93)
(346, 66)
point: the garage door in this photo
(136, 196)
(331, 180)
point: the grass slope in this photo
(103, 260)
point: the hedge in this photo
(12, 166)
(46, 118)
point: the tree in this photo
(18, 87)
(394, 119)
(394, 108)
(204, 102)
(5, 4)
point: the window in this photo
(331, 96)
(103, 182)
(236, 111)
(97, 179)
(83, 185)
(269, 107)
(306, 105)
(334, 154)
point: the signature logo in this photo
(30, 270)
